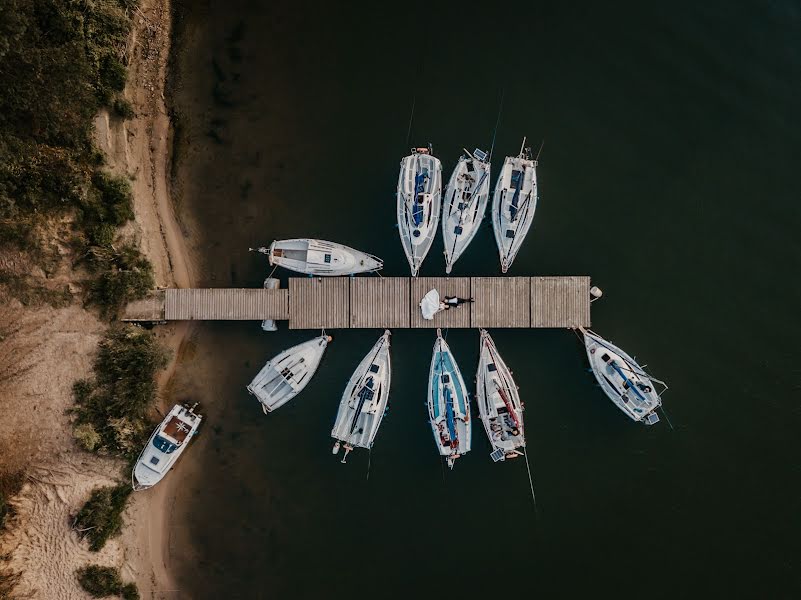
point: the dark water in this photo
(670, 174)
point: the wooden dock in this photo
(382, 302)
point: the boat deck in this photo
(373, 302)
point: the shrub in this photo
(123, 108)
(122, 275)
(105, 581)
(86, 436)
(10, 485)
(101, 517)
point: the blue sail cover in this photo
(449, 415)
(419, 187)
(417, 212)
(627, 382)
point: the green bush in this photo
(101, 517)
(115, 402)
(121, 276)
(10, 485)
(123, 108)
(101, 582)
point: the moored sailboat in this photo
(448, 404)
(419, 196)
(499, 402)
(288, 373)
(166, 444)
(364, 401)
(464, 204)
(514, 203)
(623, 380)
(319, 257)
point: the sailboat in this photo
(514, 203)
(319, 257)
(285, 376)
(364, 400)
(448, 404)
(625, 382)
(464, 204)
(166, 444)
(499, 402)
(419, 197)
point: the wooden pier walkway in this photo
(382, 302)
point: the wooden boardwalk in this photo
(383, 302)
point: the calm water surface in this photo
(670, 174)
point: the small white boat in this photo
(625, 382)
(448, 404)
(499, 402)
(419, 198)
(364, 400)
(285, 376)
(165, 445)
(464, 204)
(514, 203)
(318, 257)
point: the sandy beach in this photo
(46, 349)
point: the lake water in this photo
(670, 173)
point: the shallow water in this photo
(669, 173)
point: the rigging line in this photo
(530, 481)
(667, 418)
(497, 122)
(540, 150)
(369, 457)
(271, 272)
(411, 118)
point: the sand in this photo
(45, 350)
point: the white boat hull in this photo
(448, 404)
(498, 401)
(622, 379)
(513, 205)
(319, 257)
(365, 398)
(463, 207)
(286, 375)
(419, 197)
(165, 446)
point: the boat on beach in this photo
(448, 404)
(166, 444)
(419, 196)
(514, 203)
(319, 257)
(364, 401)
(464, 204)
(499, 402)
(286, 375)
(622, 379)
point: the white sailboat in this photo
(625, 382)
(166, 444)
(419, 197)
(448, 404)
(364, 400)
(464, 204)
(514, 203)
(499, 402)
(319, 257)
(285, 376)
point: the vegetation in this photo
(10, 485)
(112, 407)
(60, 62)
(101, 582)
(101, 517)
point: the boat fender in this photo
(515, 431)
(329, 338)
(335, 449)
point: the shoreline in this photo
(53, 347)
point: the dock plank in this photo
(560, 301)
(501, 302)
(381, 302)
(216, 304)
(446, 286)
(317, 302)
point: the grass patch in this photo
(100, 519)
(116, 400)
(10, 485)
(101, 582)
(30, 292)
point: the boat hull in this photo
(288, 373)
(321, 258)
(419, 198)
(498, 400)
(513, 205)
(463, 206)
(365, 398)
(622, 379)
(448, 404)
